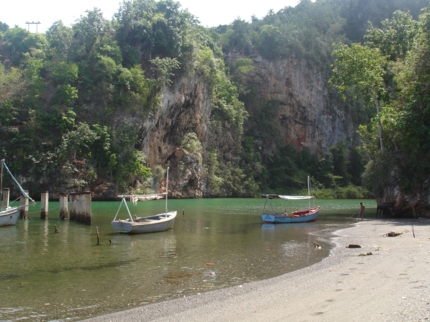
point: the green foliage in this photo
(154, 29)
(213, 172)
(227, 106)
(349, 192)
(63, 72)
(238, 37)
(243, 66)
(359, 13)
(270, 42)
(77, 143)
(60, 39)
(163, 69)
(360, 67)
(13, 85)
(8, 113)
(406, 113)
(396, 37)
(207, 64)
(340, 163)
(65, 95)
(133, 172)
(191, 143)
(19, 43)
(3, 27)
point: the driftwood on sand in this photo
(393, 234)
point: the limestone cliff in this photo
(306, 116)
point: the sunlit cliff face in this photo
(306, 118)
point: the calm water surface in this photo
(48, 276)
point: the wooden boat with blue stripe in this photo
(299, 216)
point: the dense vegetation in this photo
(73, 100)
(394, 80)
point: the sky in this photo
(209, 13)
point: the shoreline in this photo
(387, 279)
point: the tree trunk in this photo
(379, 124)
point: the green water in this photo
(217, 243)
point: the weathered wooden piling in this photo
(23, 210)
(64, 206)
(80, 207)
(98, 236)
(72, 201)
(44, 199)
(6, 195)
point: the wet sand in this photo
(387, 279)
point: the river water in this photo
(215, 243)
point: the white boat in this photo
(9, 215)
(150, 224)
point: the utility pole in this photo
(32, 23)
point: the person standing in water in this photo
(360, 215)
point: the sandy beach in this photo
(387, 279)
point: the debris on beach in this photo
(393, 234)
(210, 264)
(317, 246)
(365, 254)
(353, 246)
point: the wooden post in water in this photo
(86, 203)
(98, 236)
(72, 200)
(80, 207)
(6, 195)
(64, 207)
(23, 210)
(44, 198)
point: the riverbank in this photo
(387, 279)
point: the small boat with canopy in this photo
(307, 214)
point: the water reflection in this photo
(269, 227)
(45, 235)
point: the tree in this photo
(60, 39)
(363, 69)
(270, 42)
(396, 37)
(3, 27)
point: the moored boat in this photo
(299, 216)
(149, 224)
(9, 215)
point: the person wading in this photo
(360, 215)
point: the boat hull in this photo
(9, 216)
(306, 215)
(151, 224)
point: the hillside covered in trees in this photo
(234, 110)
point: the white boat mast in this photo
(167, 187)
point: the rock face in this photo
(186, 108)
(406, 205)
(306, 117)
